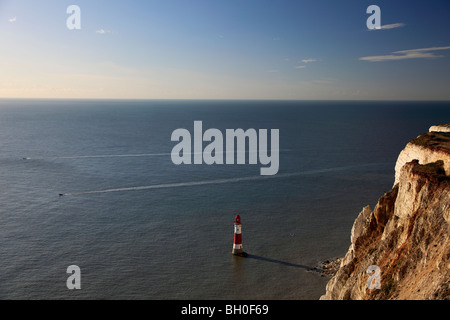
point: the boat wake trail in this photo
(218, 181)
(102, 156)
(130, 155)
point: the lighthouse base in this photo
(239, 253)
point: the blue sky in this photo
(214, 49)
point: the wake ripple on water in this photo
(218, 181)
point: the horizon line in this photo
(222, 99)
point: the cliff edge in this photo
(426, 148)
(401, 248)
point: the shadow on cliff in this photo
(284, 263)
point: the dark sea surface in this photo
(173, 238)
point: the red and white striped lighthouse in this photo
(237, 245)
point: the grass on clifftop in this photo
(434, 170)
(434, 141)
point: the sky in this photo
(233, 49)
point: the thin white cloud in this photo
(392, 57)
(423, 53)
(12, 19)
(424, 49)
(309, 60)
(300, 67)
(102, 31)
(390, 26)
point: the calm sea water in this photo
(175, 242)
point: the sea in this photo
(140, 227)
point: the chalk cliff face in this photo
(406, 237)
(427, 148)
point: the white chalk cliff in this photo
(407, 235)
(426, 148)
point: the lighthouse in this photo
(237, 245)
